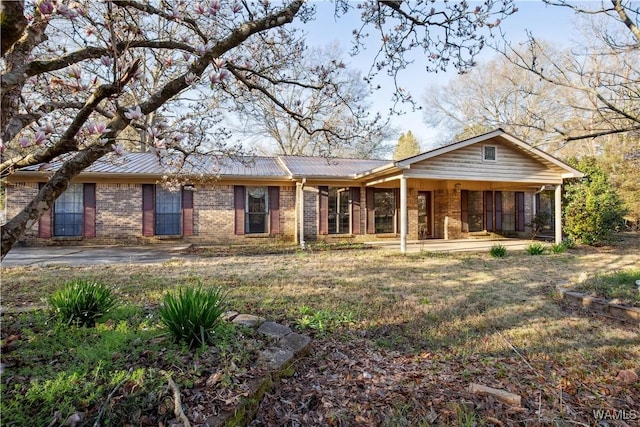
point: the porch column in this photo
(558, 213)
(296, 215)
(301, 223)
(403, 214)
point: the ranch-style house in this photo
(492, 183)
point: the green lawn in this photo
(397, 339)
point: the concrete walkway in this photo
(93, 255)
(152, 254)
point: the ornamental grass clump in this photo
(535, 249)
(498, 251)
(193, 315)
(82, 302)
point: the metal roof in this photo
(328, 167)
(149, 163)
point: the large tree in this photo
(407, 146)
(601, 71)
(76, 75)
(342, 109)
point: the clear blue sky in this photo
(550, 23)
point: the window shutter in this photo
(46, 221)
(520, 210)
(371, 212)
(464, 210)
(323, 207)
(147, 210)
(354, 196)
(488, 210)
(498, 197)
(187, 212)
(238, 204)
(396, 199)
(274, 210)
(89, 214)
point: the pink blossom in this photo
(103, 141)
(178, 137)
(236, 7)
(66, 11)
(97, 128)
(219, 63)
(2, 147)
(134, 113)
(214, 7)
(118, 149)
(138, 74)
(202, 49)
(47, 128)
(190, 78)
(186, 56)
(106, 60)
(40, 138)
(45, 7)
(75, 71)
(200, 9)
(24, 142)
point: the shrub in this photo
(193, 315)
(498, 251)
(82, 302)
(539, 221)
(593, 210)
(535, 248)
(569, 243)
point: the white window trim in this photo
(495, 148)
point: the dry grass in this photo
(470, 309)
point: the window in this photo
(339, 218)
(68, 212)
(385, 207)
(476, 218)
(545, 209)
(508, 211)
(168, 212)
(257, 210)
(489, 153)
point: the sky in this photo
(551, 23)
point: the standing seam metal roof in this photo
(149, 163)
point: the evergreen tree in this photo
(593, 210)
(407, 146)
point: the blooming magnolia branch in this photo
(155, 11)
(68, 142)
(58, 183)
(30, 69)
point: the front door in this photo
(424, 215)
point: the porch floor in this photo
(441, 245)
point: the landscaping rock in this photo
(248, 320)
(228, 316)
(276, 358)
(296, 343)
(273, 329)
(627, 376)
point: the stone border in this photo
(277, 359)
(621, 312)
